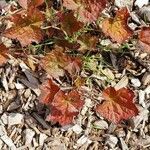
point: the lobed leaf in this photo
(70, 24)
(87, 10)
(26, 27)
(67, 102)
(117, 27)
(27, 3)
(48, 91)
(63, 118)
(56, 63)
(118, 105)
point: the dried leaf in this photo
(67, 102)
(27, 3)
(144, 39)
(3, 54)
(48, 91)
(70, 24)
(117, 27)
(54, 62)
(87, 42)
(87, 10)
(26, 27)
(63, 118)
(57, 62)
(74, 66)
(118, 105)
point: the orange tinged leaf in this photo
(117, 27)
(63, 118)
(26, 27)
(3, 54)
(67, 102)
(74, 66)
(48, 91)
(118, 105)
(87, 10)
(144, 39)
(56, 63)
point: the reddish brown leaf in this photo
(48, 91)
(63, 118)
(27, 3)
(144, 39)
(87, 10)
(87, 42)
(118, 105)
(117, 27)
(57, 62)
(70, 24)
(54, 62)
(67, 102)
(74, 67)
(3, 54)
(26, 27)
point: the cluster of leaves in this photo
(71, 28)
(64, 106)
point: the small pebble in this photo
(27, 93)
(19, 86)
(29, 134)
(142, 98)
(1, 109)
(83, 139)
(15, 118)
(120, 133)
(141, 3)
(136, 82)
(42, 138)
(112, 141)
(4, 118)
(101, 124)
(77, 129)
(146, 79)
(12, 86)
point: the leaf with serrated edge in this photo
(26, 29)
(67, 102)
(63, 118)
(48, 91)
(117, 27)
(87, 10)
(118, 105)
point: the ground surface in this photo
(22, 117)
